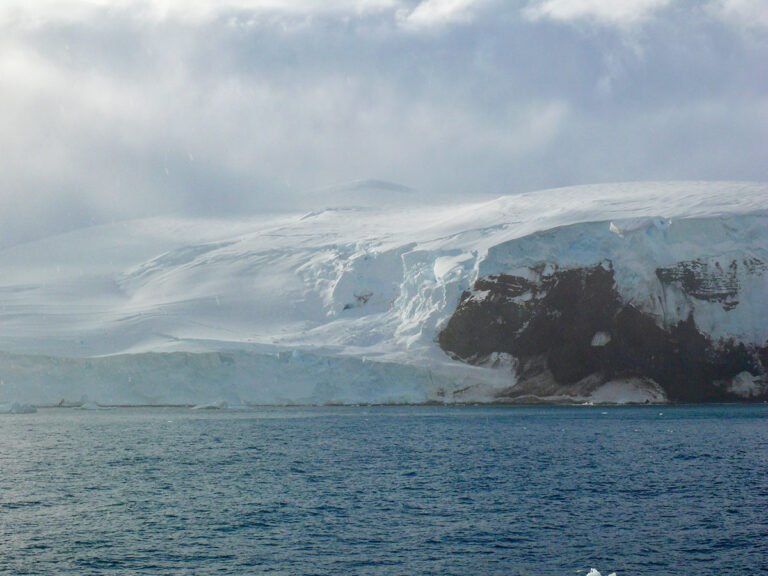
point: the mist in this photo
(113, 111)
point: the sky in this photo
(116, 109)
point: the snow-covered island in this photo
(636, 292)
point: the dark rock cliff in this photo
(571, 325)
(710, 282)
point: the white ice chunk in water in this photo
(219, 405)
(17, 408)
(89, 405)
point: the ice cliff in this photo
(617, 292)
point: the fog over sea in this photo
(511, 491)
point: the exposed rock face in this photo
(714, 283)
(567, 327)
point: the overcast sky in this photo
(113, 109)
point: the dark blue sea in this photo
(391, 490)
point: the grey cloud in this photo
(115, 113)
(621, 13)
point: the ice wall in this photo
(652, 258)
(362, 293)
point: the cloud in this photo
(430, 14)
(131, 108)
(613, 12)
(40, 12)
(749, 14)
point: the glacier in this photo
(347, 304)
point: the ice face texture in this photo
(352, 304)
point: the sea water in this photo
(389, 490)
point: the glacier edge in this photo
(333, 308)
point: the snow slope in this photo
(343, 287)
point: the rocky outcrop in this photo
(568, 327)
(714, 282)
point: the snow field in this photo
(357, 294)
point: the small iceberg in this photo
(221, 405)
(17, 408)
(88, 405)
(64, 403)
(594, 572)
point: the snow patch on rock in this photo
(628, 391)
(601, 339)
(746, 385)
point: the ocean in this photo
(471, 490)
